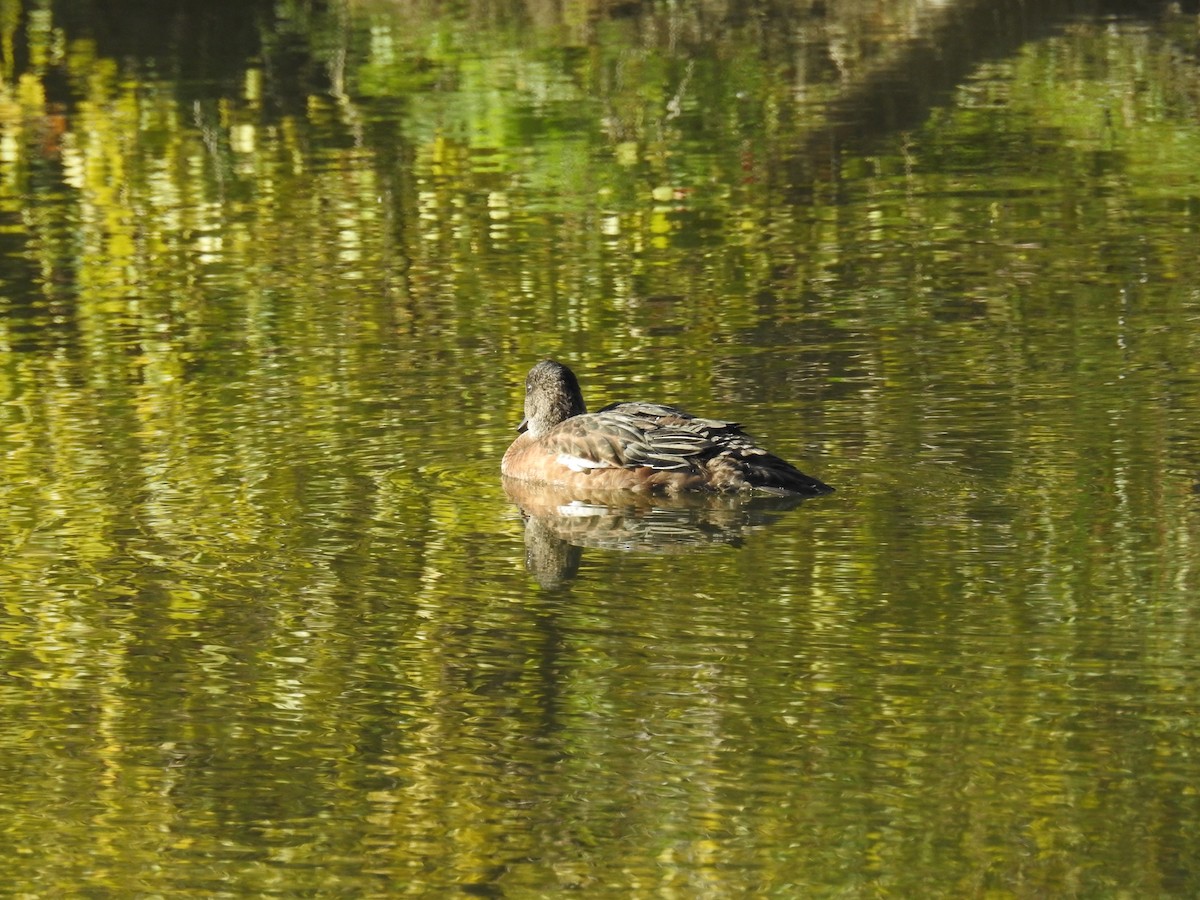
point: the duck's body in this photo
(637, 446)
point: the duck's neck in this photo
(557, 411)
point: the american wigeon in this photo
(637, 446)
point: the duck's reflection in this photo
(559, 524)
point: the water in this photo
(271, 624)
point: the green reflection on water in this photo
(267, 624)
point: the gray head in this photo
(552, 395)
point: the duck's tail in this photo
(742, 465)
(773, 475)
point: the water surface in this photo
(272, 277)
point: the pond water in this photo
(271, 276)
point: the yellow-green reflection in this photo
(267, 624)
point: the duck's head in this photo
(552, 396)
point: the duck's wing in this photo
(675, 439)
(659, 414)
(650, 435)
(654, 411)
(615, 438)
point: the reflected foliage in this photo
(272, 276)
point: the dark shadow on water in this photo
(204, 49)
(559, 525)
(954, 39)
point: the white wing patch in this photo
(579, 464)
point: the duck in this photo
(649, 447)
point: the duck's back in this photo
(720, 453)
